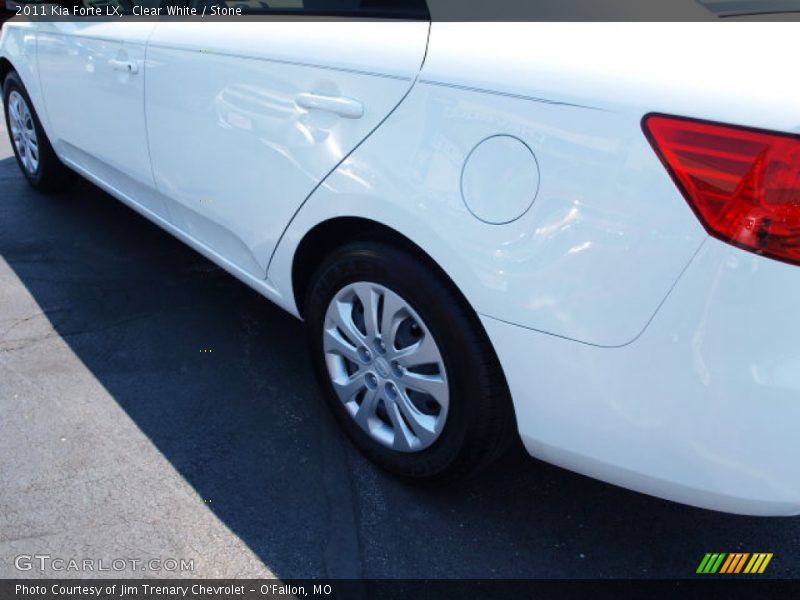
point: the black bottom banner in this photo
(389, 589)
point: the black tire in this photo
(50, 175)
(479, 424)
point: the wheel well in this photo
(5, 68)
(324, 238)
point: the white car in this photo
(586, 233)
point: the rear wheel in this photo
(405, 364)
(36, 158)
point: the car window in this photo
(378, 9)
(400, 9)
(733, 8)
(605, 10)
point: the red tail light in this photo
(743, 184)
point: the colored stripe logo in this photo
(735, 562)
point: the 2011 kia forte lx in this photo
(588, 233)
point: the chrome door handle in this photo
(128, 66)
(344, 107)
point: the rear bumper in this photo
(702, 408)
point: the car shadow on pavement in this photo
(219, 380)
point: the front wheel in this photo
(36, 158)
(405, 365)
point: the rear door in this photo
(245, 119)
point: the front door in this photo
(92, 76)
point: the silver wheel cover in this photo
(386, 367)
(23, 132)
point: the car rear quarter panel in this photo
(608, 234)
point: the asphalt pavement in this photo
(151, 406)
